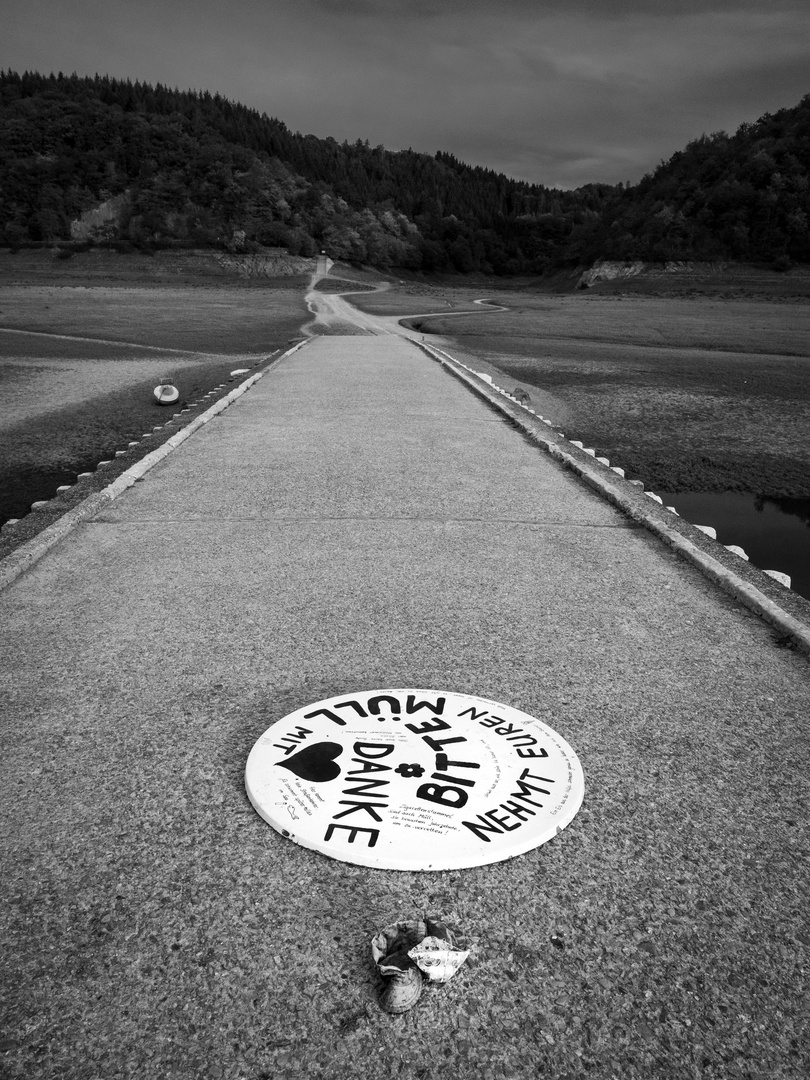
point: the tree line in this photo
(169, 167)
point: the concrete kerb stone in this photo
(603, 480)
(29, 553)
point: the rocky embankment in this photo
(103, 266)
(265, 266)
(715, 277)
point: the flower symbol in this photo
(409, 770)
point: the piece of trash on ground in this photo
(438, 959)
(408, 953)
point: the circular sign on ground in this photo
(414, 779)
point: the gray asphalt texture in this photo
(360, 519)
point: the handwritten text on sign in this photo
(414, 779)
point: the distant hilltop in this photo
(106, 161)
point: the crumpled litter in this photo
(434, 947)
(437, 958)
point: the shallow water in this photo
(775, 533)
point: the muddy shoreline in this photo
(78, 365)
(687, 394)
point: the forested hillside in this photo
(109, 161)
(744, 196)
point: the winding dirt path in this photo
(333, 314)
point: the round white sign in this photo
(414, 779)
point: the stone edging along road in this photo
(19, 560)
(683, 538)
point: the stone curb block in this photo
(29, 553)
(602, 481)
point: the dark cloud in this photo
(560, 91)
(538, 8)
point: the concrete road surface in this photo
(359, 519)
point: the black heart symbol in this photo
(315, 763)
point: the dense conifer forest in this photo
(101, 160)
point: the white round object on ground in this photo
(166, 394)
(414, 779)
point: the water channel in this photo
(775, 533)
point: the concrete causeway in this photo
(360, 519)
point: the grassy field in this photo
(414, 298)
(78, 365)
(686, 393)
(207, 318)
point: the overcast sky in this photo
(558, 92)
